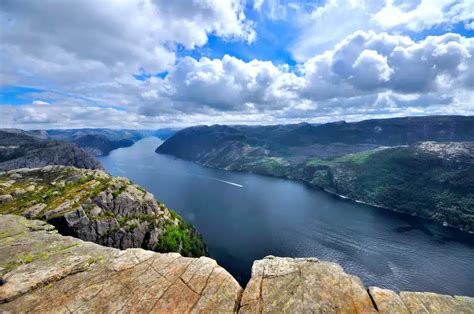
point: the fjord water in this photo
(244, 217)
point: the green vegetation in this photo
(119, 191)
(54, 189)
(406, 180)
(269, 166)
(181, 238)
(358, 158)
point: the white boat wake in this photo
(219, 180)
(228, 182)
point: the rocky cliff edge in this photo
(42, 271)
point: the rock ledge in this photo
(43, 271)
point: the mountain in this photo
(92, 205)
(18, 150)
(428, 179)
(420, 166)
(100, 142)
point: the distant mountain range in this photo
(98, 142)
(418, 165)
(18, 150)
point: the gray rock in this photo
(19, 192)
(34, 210)
(5, 199)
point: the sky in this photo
(159, 63)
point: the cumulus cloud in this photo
(370, 62)
(84, 71)
(69, 43)
(228, 84)
(424, 14)
(324, 26)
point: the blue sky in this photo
(154, 63)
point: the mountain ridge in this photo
(18, 150)
(352, 167)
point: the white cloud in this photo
(324, 26)
(39, 103)
(71, 43)
(424, 15)
(370, 62)
(228, 84)
(86, 70)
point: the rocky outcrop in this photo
(18, 150)
(94, 206)
(42, 271)
(307, 285)
(303, 285)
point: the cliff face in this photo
(18, 150)
(42, 271)
(94, 206)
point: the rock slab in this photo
(44, 272)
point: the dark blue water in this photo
(270, 216)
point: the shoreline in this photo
(358, 201)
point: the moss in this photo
(122, 220)
(140, 189)
(25, 258)
(119, 191)
(173, 214)
(67, 247)
(132, 226)
(10, 265)
(106, 215)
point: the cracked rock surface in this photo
(307, 285)
(43, 271)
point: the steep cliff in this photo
(94, 206)
(42, 271)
